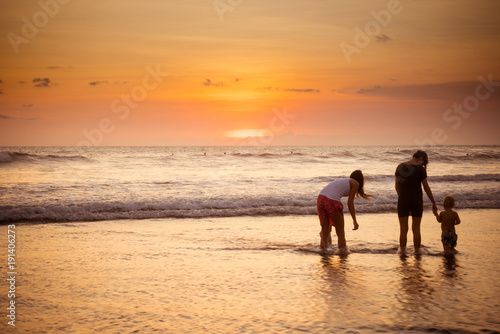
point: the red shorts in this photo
(327, 208)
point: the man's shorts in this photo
(413, 208)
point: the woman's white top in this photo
(337, 189)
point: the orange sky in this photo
(194, 72)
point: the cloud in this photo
(41, 82)
(22, 82)
(27, 105)
(442, 91)
(2, 92)
(382, 38)
(297, 90)
(210, 83)
(10, 118)
(369, 90)
(95, 83)
(292, 90)
(1, 81)
(446, 91)
(57, 67)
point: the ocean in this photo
(226, 240)
(108, 183)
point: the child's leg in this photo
(446, 249)
(454, 244)
(449, 241)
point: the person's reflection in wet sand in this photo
(416, 292)
(335, 287)
(335, 268)
(450, 266)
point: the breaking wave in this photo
(8, 156)
(202, 208)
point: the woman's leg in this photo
(403, 232)
(324, 222)
(325, 235)
(338, 223)
(415, 227)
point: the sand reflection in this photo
(450, 266)
(416, 292)
(335, 269)
(336, 290)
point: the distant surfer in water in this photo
(330, 209)
(410, 177)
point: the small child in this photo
(448, 219)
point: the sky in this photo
(257, 72)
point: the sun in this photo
(244, 133)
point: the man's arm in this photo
(428, 191)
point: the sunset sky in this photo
(204, 72)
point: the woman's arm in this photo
(350, 202)
(428, 191)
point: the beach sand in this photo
(252, 275)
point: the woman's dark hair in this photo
(358, 176)
(423, 155)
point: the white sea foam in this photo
(184, 208)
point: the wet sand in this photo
(251, 275)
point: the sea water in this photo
(260, 274)
(107, 183)
(225, 240)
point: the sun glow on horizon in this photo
(244, 133)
